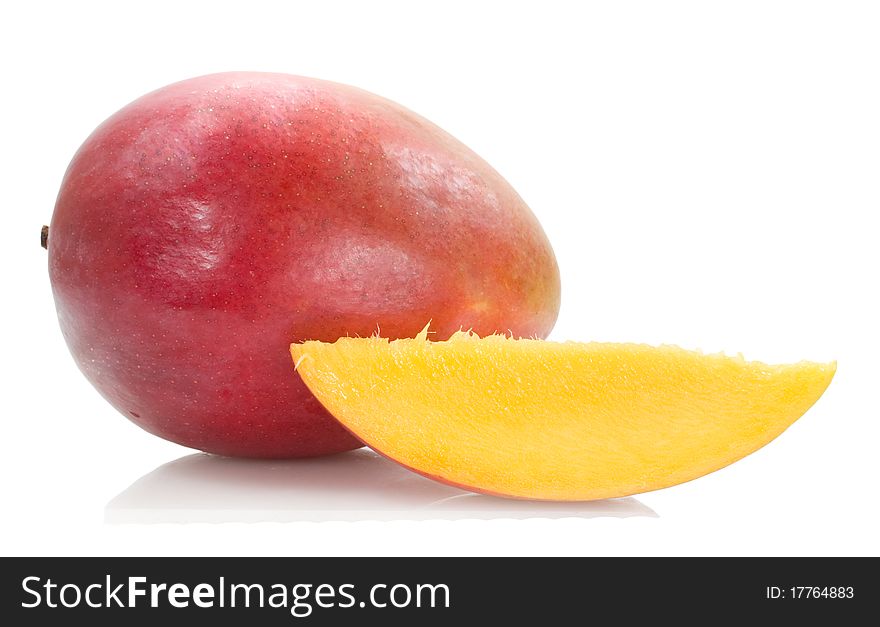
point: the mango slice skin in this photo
(555, 421)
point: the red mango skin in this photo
(207, 225)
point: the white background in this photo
(709, 175)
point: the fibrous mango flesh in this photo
(560, 421)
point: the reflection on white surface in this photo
(359, 485)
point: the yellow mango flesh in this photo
(559, 421)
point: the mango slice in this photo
(556, 421)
